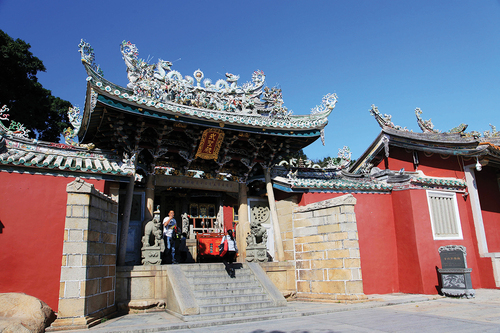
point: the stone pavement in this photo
(382, 313)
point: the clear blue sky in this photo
(441, 56)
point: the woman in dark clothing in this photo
(230, 255)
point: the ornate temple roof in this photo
(432, 141)
(157, 91)
(182, 125)
(21, 153)
(47, 157)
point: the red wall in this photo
(434, 165)
(489, 196)
(377, 239)
(413, 226)
(398, 251)
(32, 218)
(422, 256)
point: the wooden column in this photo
(150, 198)
(127, 209)
(243, 226)
(278, 244)
(126, 221)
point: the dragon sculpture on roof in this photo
(163, 84)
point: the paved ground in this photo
(383, 313)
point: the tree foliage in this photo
(30, 104)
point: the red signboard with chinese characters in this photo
(210, 143)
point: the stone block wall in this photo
(327, 250)
(285, 210)
(282, 274)
(141, 288)
(88, 270)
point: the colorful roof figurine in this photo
(189, 123)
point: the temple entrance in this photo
(196, 211)
(203, 216)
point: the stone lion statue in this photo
(257, 235)
(153, 234)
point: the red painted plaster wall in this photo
(377, 239)
(397, 247)
(433, 165)
(413, 221)
(489, 196)
(407, 254)
(32, 216)
(418, 255)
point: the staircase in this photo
(220, 296)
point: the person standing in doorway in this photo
(169, 226)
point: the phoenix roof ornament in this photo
(425, 125)
(384, 120)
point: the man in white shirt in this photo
(169, 226)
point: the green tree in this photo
(29, 103)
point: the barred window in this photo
(445, 219)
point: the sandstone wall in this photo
(285, 210)
(88, 270)
(327, 250)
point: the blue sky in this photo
(441, 56)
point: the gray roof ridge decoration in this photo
(385, 120)
(427, 127)
(157, 86)
(342, 161)
(31, 153)
(379, 181)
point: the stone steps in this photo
(232, 299)
(251, 315)
(228, 292)
(216, 277)
(214, 272)
(220, 297)
(218, 308)
(226, 285)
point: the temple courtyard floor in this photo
(381, 313)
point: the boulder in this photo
(24, 313)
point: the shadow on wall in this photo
(1, 227)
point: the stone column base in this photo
(80, 323)
(151, 255)
(256, 253)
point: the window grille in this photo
(445, 219)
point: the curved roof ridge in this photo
(156, 86)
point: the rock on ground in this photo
(24, 313)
